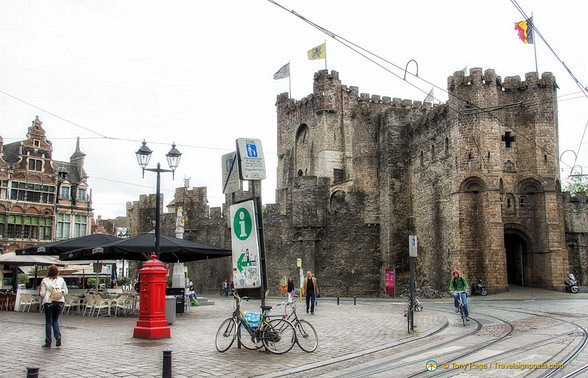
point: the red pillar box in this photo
(152, 323)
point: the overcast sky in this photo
(201, 73)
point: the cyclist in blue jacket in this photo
(458, 287)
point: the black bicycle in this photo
(461, 307)
(276, 335)
(306, 336)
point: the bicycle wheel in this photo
(278, 336)
(226, 335)
(306, 336)
(246, 341)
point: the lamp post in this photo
(152, 323)
(173, 160)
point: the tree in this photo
(577, 184)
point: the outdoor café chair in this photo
(100, 304)
(89, 305)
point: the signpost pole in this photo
(259, 214)
(412, 253)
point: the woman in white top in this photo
(53, 289)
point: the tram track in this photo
(345, 365)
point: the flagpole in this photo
(289, 81)
(534, 43)
(326, 55)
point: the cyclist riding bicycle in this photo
(458, 287)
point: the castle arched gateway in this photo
(519, 247)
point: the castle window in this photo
(432, 151)
(300, 173)
(422, 159)
(522, 202)
(508, 203)
(338, 176)
(35, 165)
(545, 158)
(446, 146)
(488, 155)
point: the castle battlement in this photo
(489, 77)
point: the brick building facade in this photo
(476, 179)
(41, 199)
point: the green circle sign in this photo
(242, 224)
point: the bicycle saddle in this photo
(266, 308)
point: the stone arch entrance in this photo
(517, 246)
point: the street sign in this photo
(230, 170)
(412, 246)
(245, 246)
(299, 263)
(251, 161)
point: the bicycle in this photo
(306, 336)
(461, 307)
(276, 335)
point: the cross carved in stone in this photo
(508, 139)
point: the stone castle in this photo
(475, 179)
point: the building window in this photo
(14, 227)
(63, 222)
(80, 225)
(35, 165)
(64, 192)
(82, 195)
(3, 189)
(32, 192)
(45, 228)
(37, 143)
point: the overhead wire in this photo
(355, 47)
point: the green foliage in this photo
(92, 282)
(124, 280)
(169, 282)
(577, 184)
(23, 278)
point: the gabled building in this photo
(41, 199)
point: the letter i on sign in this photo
(242, 224)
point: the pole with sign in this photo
(412, 253)
(299, 265)
(249, 266)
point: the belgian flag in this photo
(525, 30)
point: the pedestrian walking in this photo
(309, 289)
(290, 289)
(53, 289)
(316, 293)
(225, 287)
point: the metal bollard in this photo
(33, 371)
(337, 301)
(354, 300)
(167, 364)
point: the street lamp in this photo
(173, 160)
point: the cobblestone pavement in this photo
(104, 347)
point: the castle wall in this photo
(476, 179)
(576, 223)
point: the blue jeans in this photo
(52, 311)
(464, 300)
